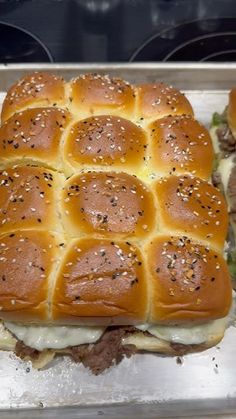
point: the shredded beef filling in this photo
(182, 349)
(107, 351)
(227, 142)
(98, 356)
(24, 351)
(217, 182)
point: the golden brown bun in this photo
(33, 134)
(101, 277)
(28, 198)
(101, 282)
(36, 89)
(190, 282)
(26, 262)
(94, 94)
(108, 202)
(105, 140)
(192, 206)
(231, 111)
(180, 144)
(158, 100)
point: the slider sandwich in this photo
(111, 235)
(223, 133)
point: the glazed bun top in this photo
(109, 203)
(189, 281)
(107, 215)
(105, 140)
(192, 206)
(157, 100)
(28, 198)
(93, 94)
(103, 280)
(34, 135)
(36, 89)
(27, 260)
(180, 144)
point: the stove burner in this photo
(205, 40)
(18, 45)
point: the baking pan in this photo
(147, 385)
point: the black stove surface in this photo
(117, 30)
(201, 40)
(18, 45)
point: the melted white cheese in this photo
(54, 337)
(225, 167)
(214, 138)
(187, 335)
(7, 341)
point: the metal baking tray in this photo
(147, 385)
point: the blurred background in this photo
(117, 30)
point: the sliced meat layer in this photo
(23, 351)
(106, 352)
(216, 181)
(182, 349)
(227, 142)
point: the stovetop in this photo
(117, 30)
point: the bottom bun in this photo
(146, 342)
(43, 361)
